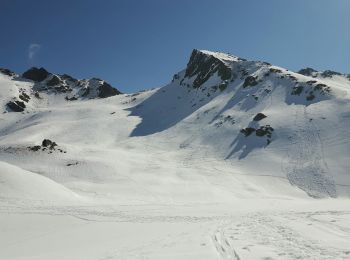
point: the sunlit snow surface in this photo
(166, 174)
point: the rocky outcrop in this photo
(264, 130)
(307, 71)
(259, 117)
(48, 143)
(54, 81)
(250, 81)
(247, 131)
(7, 72)
(16, 106)
(105, 90)
(330, 73)
(203, 66)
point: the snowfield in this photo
(186, 171)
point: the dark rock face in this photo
(7, 72)
(63, 89)
(48, 143)
(273, 70)
(23, 96)
(250, 81)
(264, 130)
(204, 66)
(34, 148)
(329, 73)
(36, 74)
(16, 106)
(68, 77)
(247, 131)
(297, 90)
(54, 81)
(310, 82)
(86, 92)
(223, 85)
(71, 98)
(259, 117)
(106, 90)
(310, 97)
(37, 95)
(307, 71)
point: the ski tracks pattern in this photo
(267, 236)
(305, 165)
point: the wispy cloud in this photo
(33, 49)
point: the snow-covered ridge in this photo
(41, 84)
(222, 56)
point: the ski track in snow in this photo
(262, 235)
(266, 236)
(305, 164)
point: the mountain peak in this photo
(218, 55)
(204, 64)
(36, 74)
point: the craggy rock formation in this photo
(48, 143)
(204, 66)
(16, 106)
(7, 72)
(250, 81)
(248, 131)
(106, 90)
(54, 81)
(259, 117)
(36, 74)
(307, 71)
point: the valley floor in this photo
(247, 229)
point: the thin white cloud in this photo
(33, 49)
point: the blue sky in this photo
(138, 44)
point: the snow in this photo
(166, 173)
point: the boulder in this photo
(48, 143)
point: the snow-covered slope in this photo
(259, 119)
(225, 131)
